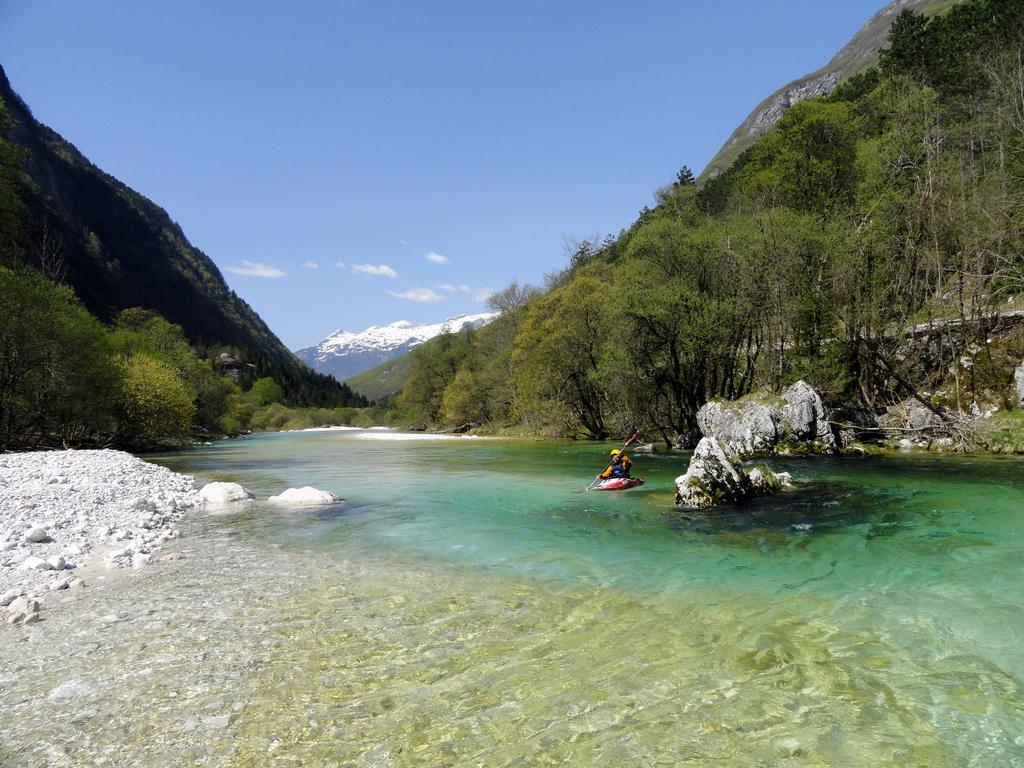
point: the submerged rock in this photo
(306, 496)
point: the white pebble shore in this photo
(61, 511)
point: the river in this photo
(469, 604)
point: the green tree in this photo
(559, 350)
(57, 377)
(809, 161)
(265, 391)
(156, 407)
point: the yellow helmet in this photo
(615, 452)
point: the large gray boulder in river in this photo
(712, 479)
(762, 423)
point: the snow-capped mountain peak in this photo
(345, 353)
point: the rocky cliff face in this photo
(857, 55)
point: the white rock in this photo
(57, 562)
(37, 535)
(305, 496)
(140, 560)
(224, 493)
(10, 596)
(23, 605)
(60, 584)
(7, 546)
(33, 563)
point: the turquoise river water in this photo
(469, 605)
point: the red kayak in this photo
(619, 484)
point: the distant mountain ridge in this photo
(344, 354)
(858, 54)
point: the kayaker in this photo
(620, 466)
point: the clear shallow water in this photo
(468, 605)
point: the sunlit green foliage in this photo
(265, 391)
(57, 384)
(155, 408)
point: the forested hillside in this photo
(116, 249)
(114, 330)
(870, 243)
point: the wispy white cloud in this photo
(403, 242)
(437, 258)
(422, 295)
(256, 269)
(340, 264)
(381, 270)
(477, 294)
(446, 287)
(311, 265)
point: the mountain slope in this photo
(118, 249)
(122, 250)
(344, 354)
(858, 54)
(386, 379)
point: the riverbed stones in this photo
(77, 506)
(36, 535)
(305, 496)
(33, 563)
(23, 610)
(214, 494)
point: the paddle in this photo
(630, 439)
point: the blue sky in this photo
(417, 153)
